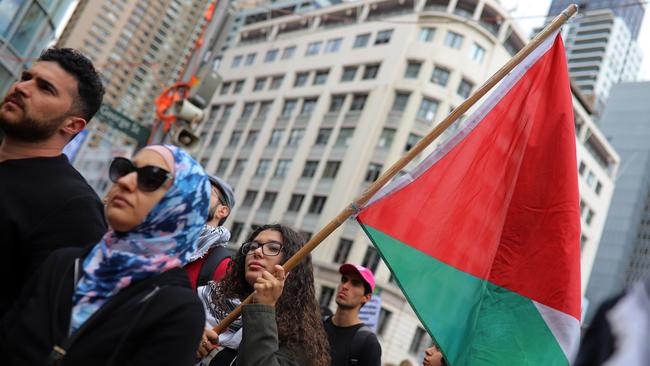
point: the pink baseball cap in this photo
(364, 272)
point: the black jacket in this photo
(46, 205)
(156, 321)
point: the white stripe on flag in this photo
(564, 327)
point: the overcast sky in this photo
(532, 13)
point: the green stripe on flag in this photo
(509, 330)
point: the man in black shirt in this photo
(45, 203)
(351, 342)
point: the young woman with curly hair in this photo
(283, 325)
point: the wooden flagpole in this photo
(438, 130)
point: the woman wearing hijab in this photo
(282, 326)
(126, 300)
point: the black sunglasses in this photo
(150, 177)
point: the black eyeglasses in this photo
(150, 177)
(271, 248)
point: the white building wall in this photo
(377, 114)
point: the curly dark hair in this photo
(297, 313)
(90, 89)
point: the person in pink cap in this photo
(351, 342)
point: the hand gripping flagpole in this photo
(438, 130)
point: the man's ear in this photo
(367, 297)
(222, 211)
(73, 125)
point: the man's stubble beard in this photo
(30, 130)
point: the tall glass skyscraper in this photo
(631, 11)
(26, 28)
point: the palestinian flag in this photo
(483, 236)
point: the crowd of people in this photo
(142, 277)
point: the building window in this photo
(265, 106)
(313, 48)
(331, 169)
(465, 88)
(477, 53)
(321, 77)
(308, 106)
(582, 167)
(358, 102)
(417, 343)
(386, 138)
(583, 241)
(240, 164)
(252, 137)
(295, 136)
(342, 251)
(237, 228)
(247, 111)
(249, 198)
(250, 59)
(333, 45)
(336, 103)
(301, 79)
(373, 172)
(383, 37)
(361, 40)
(599, 187)
(276, 82)
(236, 61)
(262, 167)
(276, 136)
(401, 99)
(370, 72)
(591, 179)
(288, 52)
(225, 87)
(589, 217)
(411, 141)
(259, 84)
(317, 204)
(323, 136)
(412, 69)
(428, 108)
(310, 169)
(345, 136)
(349, 73)
(295, 202)
(271, 55)
(382, 322)
(453, 40)
(234, 138)
(426, 34)
(371, 259)
(239, 85)
(282, 168)
(268, 200)
(223, 166)
(326, 294)
(289, 106)
(440, 76)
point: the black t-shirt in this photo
(340, 339)
(45, 204)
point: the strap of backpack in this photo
(215, 256)
(356, 346)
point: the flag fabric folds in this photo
(483, 236)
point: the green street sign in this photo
(122, 123)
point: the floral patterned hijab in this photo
(166, 239)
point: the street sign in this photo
(122, 123)
(369, 313)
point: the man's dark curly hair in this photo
(297, 313)
(89, 85)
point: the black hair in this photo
(89, 84)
